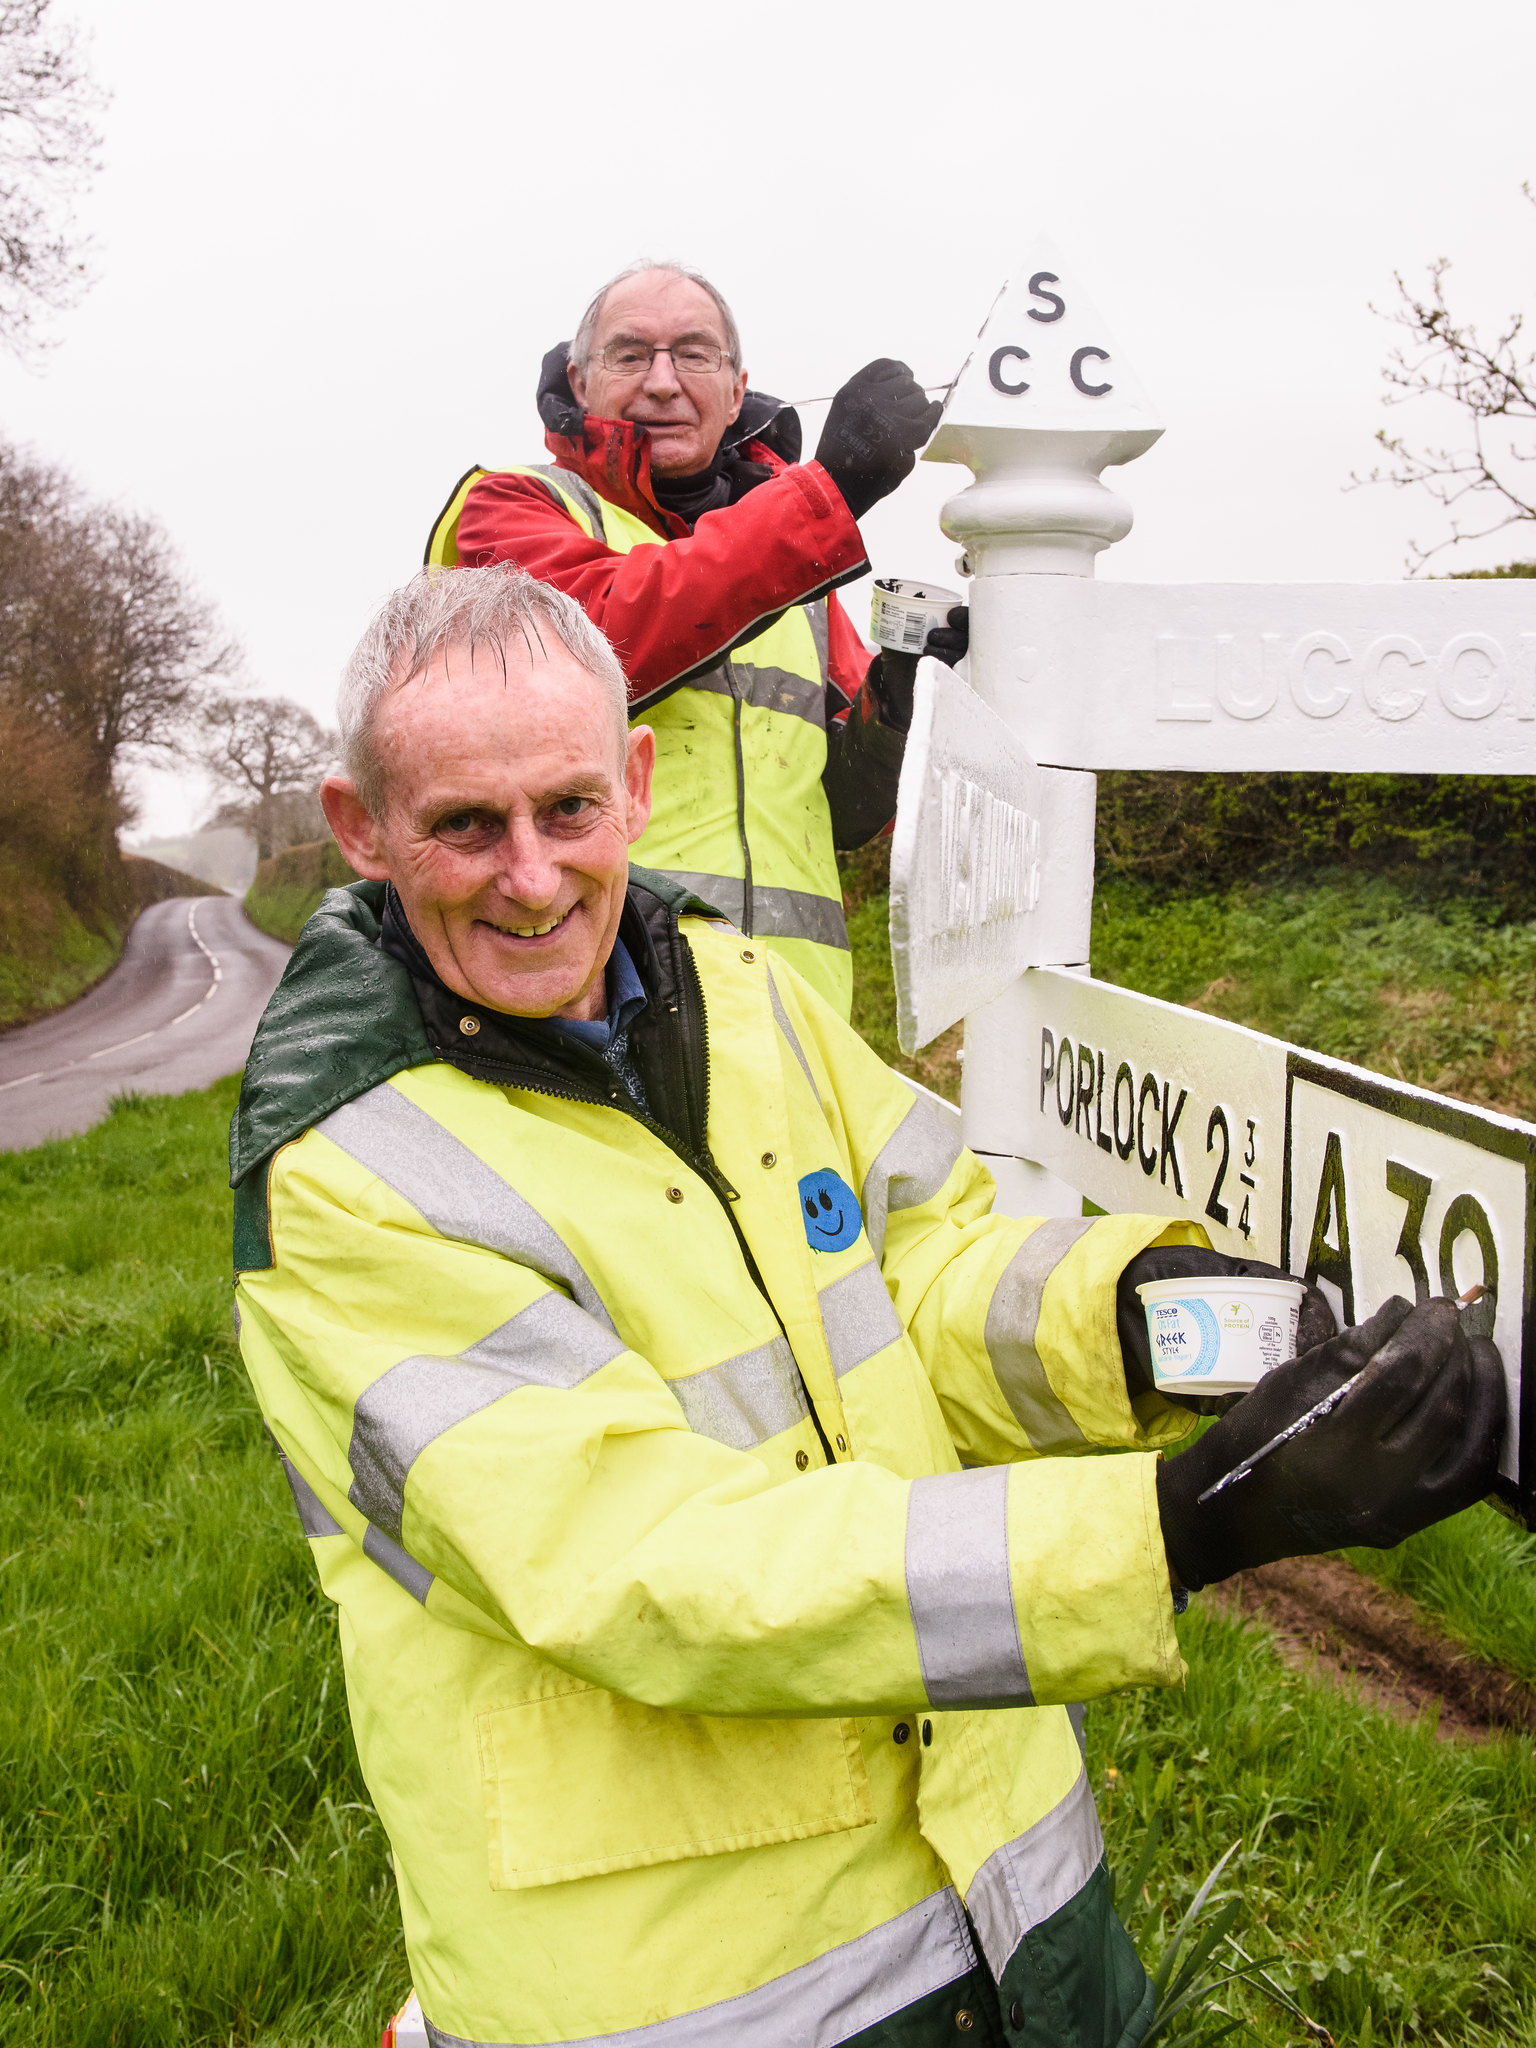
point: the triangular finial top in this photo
(1047, 362)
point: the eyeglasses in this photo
(689, 358)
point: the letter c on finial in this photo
(995, 369)
(1079, 381)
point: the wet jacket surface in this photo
(711, 1503)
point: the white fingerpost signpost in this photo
(1076, 1088)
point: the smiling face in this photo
(833, 1218)
(684, 416)
(511, 803)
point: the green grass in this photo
(1383, 1868)
(186, 1850)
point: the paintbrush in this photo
(1314, 1414)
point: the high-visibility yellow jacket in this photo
(740, 815)
(709, 1500)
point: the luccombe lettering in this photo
(1393, 676)
(1106, 1103)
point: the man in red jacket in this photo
(678, 513)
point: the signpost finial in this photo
(1045, 401)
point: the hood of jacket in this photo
(614, 456)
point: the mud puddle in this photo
(1336, 1624)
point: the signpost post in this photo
(1075, 1088)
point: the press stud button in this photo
(802, 1459)
(842, 1444)
(1016, 2014)
(747, 953)
(965, 2020)
(900, 1732)
(469, 1026)
(674, 1194)
(770, 1159)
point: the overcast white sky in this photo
(334, 240)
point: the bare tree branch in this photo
(1492, 384)
(49, 152)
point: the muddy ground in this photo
(1339, 1626)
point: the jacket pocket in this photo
(583, 1782)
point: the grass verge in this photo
(187, 1853)
(1389, 1875)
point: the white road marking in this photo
(48, 1073)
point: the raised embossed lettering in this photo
(1387, 690)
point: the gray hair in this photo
(586, 333)
(440, 609)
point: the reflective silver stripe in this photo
(776, 913)
(821, 2004)
(1022, 1884)
(315, 1518)
(910, 1167)
(960, 1590)
(857, 1316)
(766, 688)
(551, 1343)
(400, 1565)
(781, 1018)
(816, 617)
(744, 1400)
(797, 914)
(574, 487)
(452, 1188)
(1013, 1316)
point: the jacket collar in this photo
(614, 456)
(347, 1016)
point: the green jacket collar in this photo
(345, 1017)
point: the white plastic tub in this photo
(903, 613)
(1219, 1336)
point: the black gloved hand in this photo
(892, 675)
(1416, 1441)
(950, 642)
(1193, 1262)
(878, 422)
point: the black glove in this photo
(893, 674)
(1193, 1262)
(878, 422)
(1416, 1441)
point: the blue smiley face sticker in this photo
(832, 1218)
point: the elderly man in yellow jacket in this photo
(681, 1436)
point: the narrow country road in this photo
(177, 1011)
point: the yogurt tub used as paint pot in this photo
(1221, 1335)
(902, 613)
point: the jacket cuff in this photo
(1039, 1584)
(1090, 1578)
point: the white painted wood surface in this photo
(991, 863)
